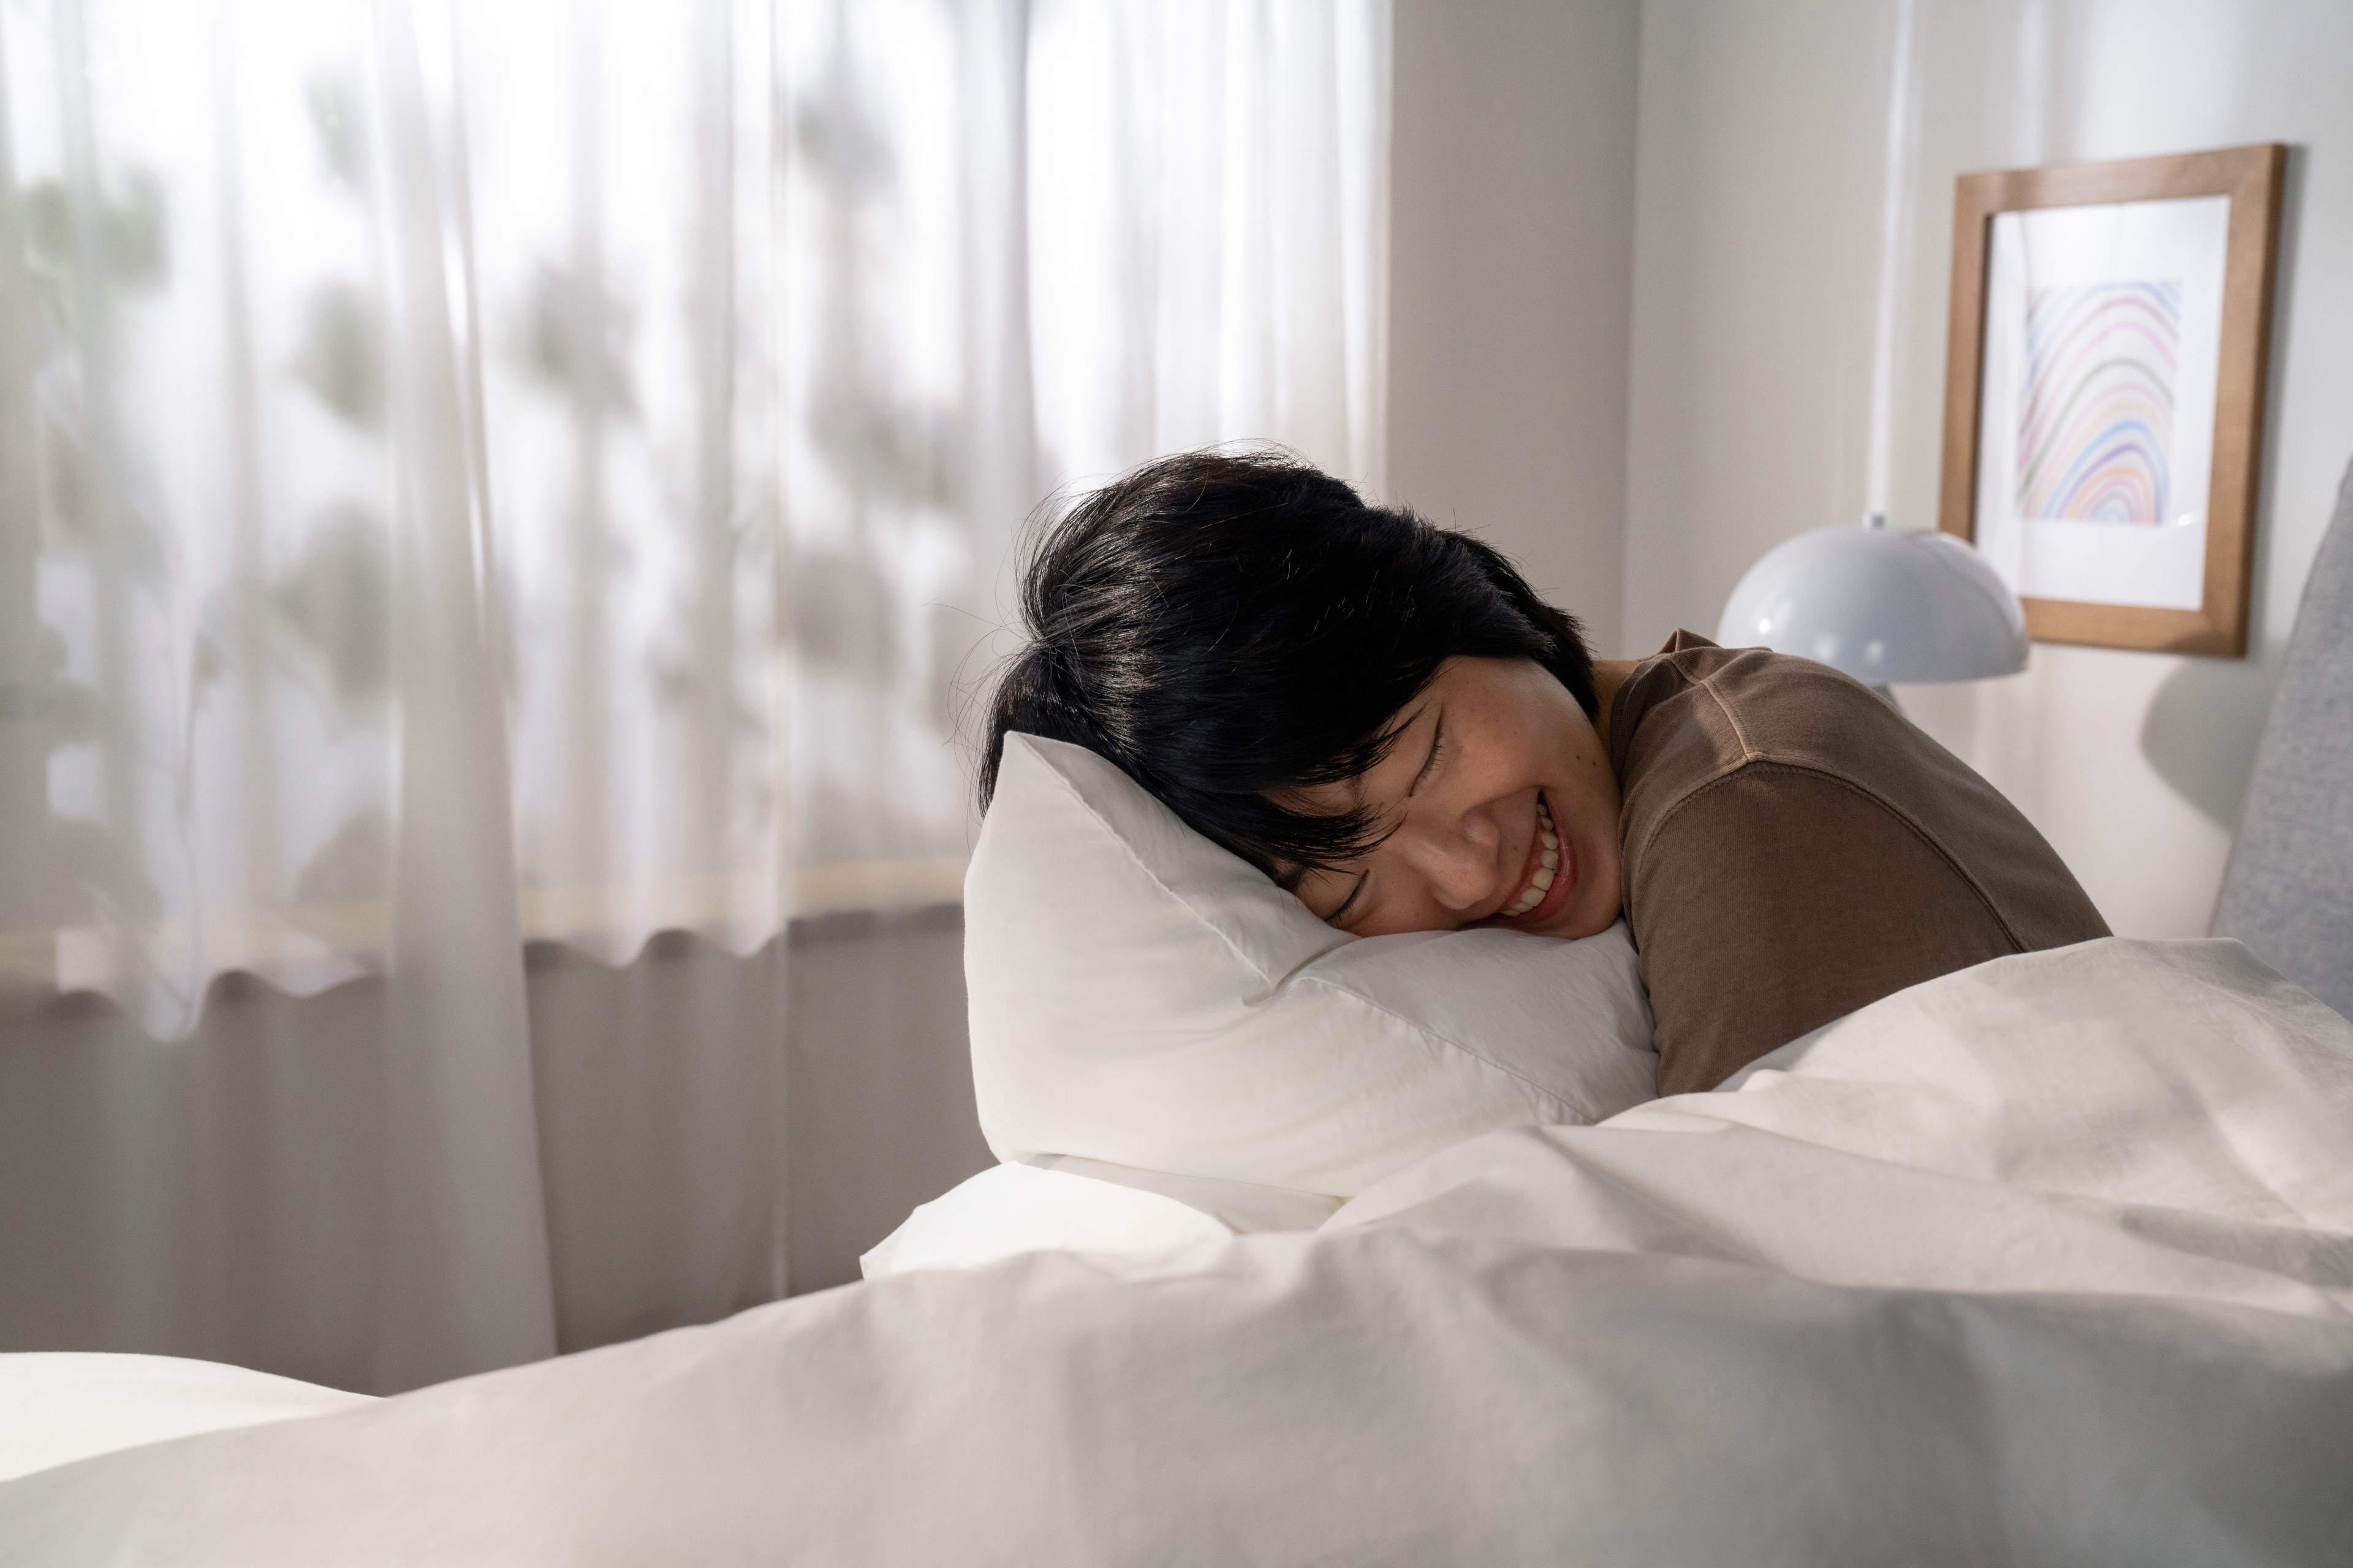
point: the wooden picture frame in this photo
(2056, 495)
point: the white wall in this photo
(1759, 159)
(1512, 204)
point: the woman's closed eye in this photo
(1437, 752)
(1356, 901)
(1357, 904)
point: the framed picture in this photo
(2104, 391)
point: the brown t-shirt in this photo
(1793, 849)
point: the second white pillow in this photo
(1141, 996)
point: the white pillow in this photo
(1062, 1204)
(1009, 1209)
(1143, 997)
(57, 1406)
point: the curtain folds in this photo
(477, 475)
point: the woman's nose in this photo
(1458, 862)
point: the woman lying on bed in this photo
(1380, 714)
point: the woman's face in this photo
(1503, 809)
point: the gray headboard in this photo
(2289, 892)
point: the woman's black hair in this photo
(1225, 626)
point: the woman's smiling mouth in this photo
(1547, 878)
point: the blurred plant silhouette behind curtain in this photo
(472, 473)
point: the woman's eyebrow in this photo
(1436, 731)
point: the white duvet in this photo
(2048, 1261)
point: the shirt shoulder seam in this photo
(1749, 753)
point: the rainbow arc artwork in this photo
(2095, 426)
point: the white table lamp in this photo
(1886, 607)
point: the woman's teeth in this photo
(1546, 869)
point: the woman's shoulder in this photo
(1788, 734)
(1694, 712)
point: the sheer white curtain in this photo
(471, 474)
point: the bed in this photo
(2047, 1261)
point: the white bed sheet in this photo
(2048, 1261)
(62, 1406)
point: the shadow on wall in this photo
(2202, 727)
(880, 1092)
(699, 1114)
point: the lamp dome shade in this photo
(1886, 607)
